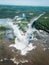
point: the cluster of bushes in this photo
(2, 28)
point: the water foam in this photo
(22, 41)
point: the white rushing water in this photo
(22, 41)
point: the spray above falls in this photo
(22, 41)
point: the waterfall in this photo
(22, 41)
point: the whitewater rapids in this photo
(22, 41)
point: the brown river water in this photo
(38, 56)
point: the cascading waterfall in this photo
(22, 41)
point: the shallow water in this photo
(4, 20)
